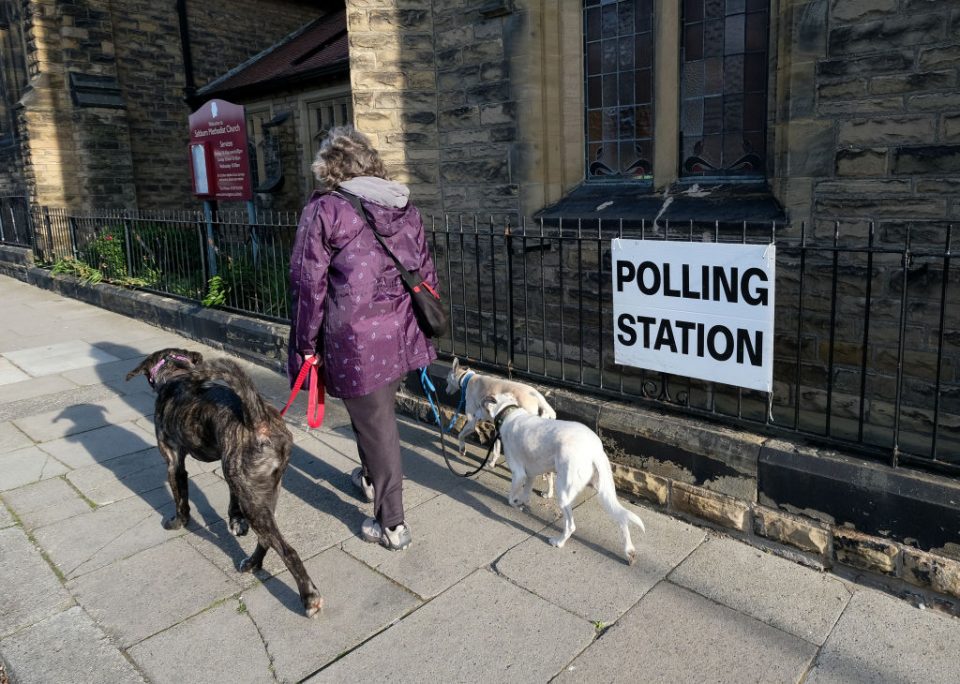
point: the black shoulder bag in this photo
(427, 306)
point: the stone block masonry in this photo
(885, 76)
(431, 83)
(459, 99)
(131, 155)
(150, 61)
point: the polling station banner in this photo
(701, 310)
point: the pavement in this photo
(93, 589)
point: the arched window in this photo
(618, 67)
(723, 110)
(694, 71)
(13, 67)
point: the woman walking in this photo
(353, 316)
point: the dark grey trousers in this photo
(374, 421)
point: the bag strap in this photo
(411, 280)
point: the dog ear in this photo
(488, 402)
(456, 364)
(139, 370)
(196, 357)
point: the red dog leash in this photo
(315, 397)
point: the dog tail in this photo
(607, 494)
(545, 410)
(256, 410)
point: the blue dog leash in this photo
(430, 391)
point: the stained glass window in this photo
(618, 70)
(723, 83)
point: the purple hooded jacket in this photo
(349, 303)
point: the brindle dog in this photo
(212, 411)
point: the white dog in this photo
(534, 446)
(474, 387)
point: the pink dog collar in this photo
(152, 373)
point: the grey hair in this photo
(344, 154)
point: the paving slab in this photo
(45, 502)
(12, 438)
(6, 518)
(11, 374)
(27, 465)
(451, 539)
(470, 634)
(209, 499)
(38, 593)
(47, 312)
(316, 509)
(224, 550)
(139, 340)
(77, 418)
(67, 647)
(220, 645)
(57, 402)
(315, 460)
(589, 575)
(883, 639)
(52, 359)
(675, 635)
(146, 424)
(788, 596)
(150, 591)
(17, 340)
(143, 474)
(93, 540)
(35, 387)
(358, 603)
(100, 444)
(121, 477)
(114, 372)
(310, 515)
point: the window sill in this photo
(697, 201)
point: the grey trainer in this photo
(362, 483)
(396, 539)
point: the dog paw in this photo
(238, 526)
(313, 605)
(174, 522)
(516, 503)
(631, 556)
(247, 565)
(557, 541)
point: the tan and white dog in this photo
(534, 446)
(474, 387)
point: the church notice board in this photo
(219, 160)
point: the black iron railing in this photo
(223, 260)
(867, 343)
